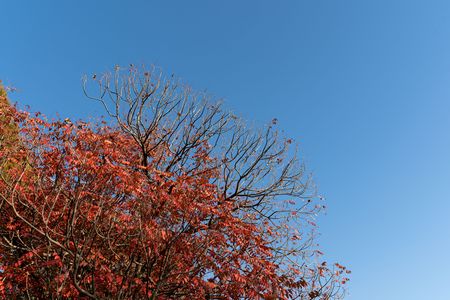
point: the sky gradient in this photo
(362, 86)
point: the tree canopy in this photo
(172, 197)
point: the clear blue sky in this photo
(364, 86)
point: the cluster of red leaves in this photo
(82, 217)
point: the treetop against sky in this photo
(361, 87)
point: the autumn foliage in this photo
(175, 199)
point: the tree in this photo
(8, 130)
(175, 199)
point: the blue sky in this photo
(363, 86)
